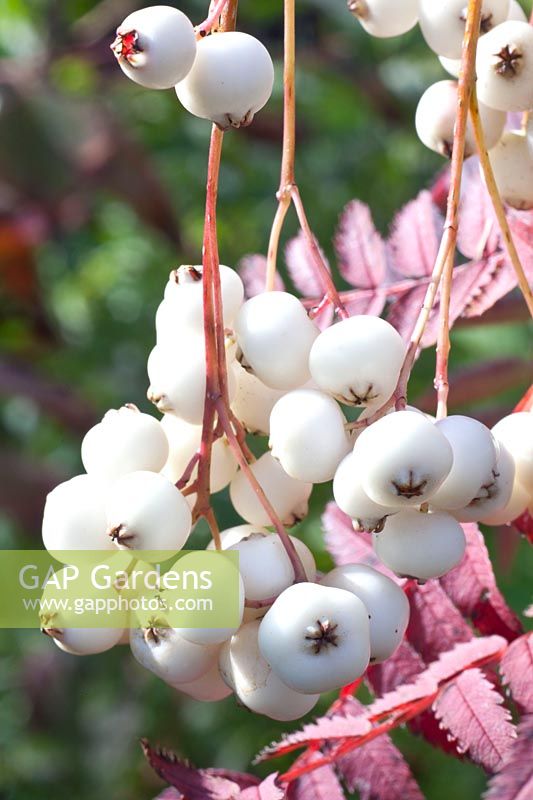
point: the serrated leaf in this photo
(266, 790)
(475, 653)
(403, 311)
(361, 251)
(517, 671)
(415, 237)
(515, 781)
(479, 290)
(195, 784)
(347, 546)
(300, 265)
(435, 624)
(402, 667)
(472, 711)
(478, 234)
(169, 794)
(319, 784)
(252, 270)
(472, 588)
(377, 770)
(332, 728)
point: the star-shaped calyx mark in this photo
(508, 61)
(410, 488)
(126, 45)
(321, 635)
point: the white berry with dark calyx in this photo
(209, 688)
(435, 120)
(155, 46)
(74, 516)
(316, 638)
(184, 441)
(163, 651)
(182, 307)
(443, 23)
(512, 163)
(495, 493)
(516, 432)
(84, 641)
(254, 401)
(255, 683)
(275, 336)
(308, 435)
(145, 511)
(178, 379)
(124, 441)
(385, 601)
(504, 67)
(354, 501)
(474, 458)
(406, 459)
(358, 360)
(421, 546)
(230, 81)
(288, 496)
(383, 18)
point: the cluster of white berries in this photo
(225, 77)
(504, 67)
(406, 478)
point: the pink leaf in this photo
(377, 770)
(415, 237)
(478, 233)
(472, 711)
(524, 525)
(320, 784)
(252, 270)
(360, 249)
(368, 301)
(324, 729)
(345, 545)
(517, 671)
(402, 667)
(301, 267)
(480, 285)
(267, 790)
(472, 588)
(169, 794)
(521, 224)
(515, 781)
(475, 653)
(404, 310)
(195, 784)
(435, 624)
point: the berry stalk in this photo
(216, 10)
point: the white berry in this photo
(406, 458)
(443, 23)
(316, 638)
(209, 688)
(515, 506)
(495, 493)
(145, 511)
(275, 336)
(264, 565)
(155, 46)
(254, 401)
(287, 495)
(435, 120)
(504, 66)
(124, 441)
(230, 81)
(308, 435)
(422, 546)
(168, 655)
(353, 500)
(516, 432)
(74, 516)
(384, 18)
(512, 163)
(358, 360)
(474, 458)
(255, 683)
(385, 601)
(516, 12)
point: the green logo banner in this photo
(122, 589)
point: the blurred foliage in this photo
(101, 194)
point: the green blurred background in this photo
(101, 194)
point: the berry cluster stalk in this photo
(214, 14)
(288, 190)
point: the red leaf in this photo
(475, 653)
(524, 525)
(478, 233)
(377, 770)
(472, 711)
(324, 729)
(169, 794)
(472, 588)
(195, 784)
(402, 667)
(517, 671)
(320, 784)
(301, 267)
(415, 238)
(360, 249)
(252, 270)
(267, 790)
(435, 624)
(515, 781)
(347, 546)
